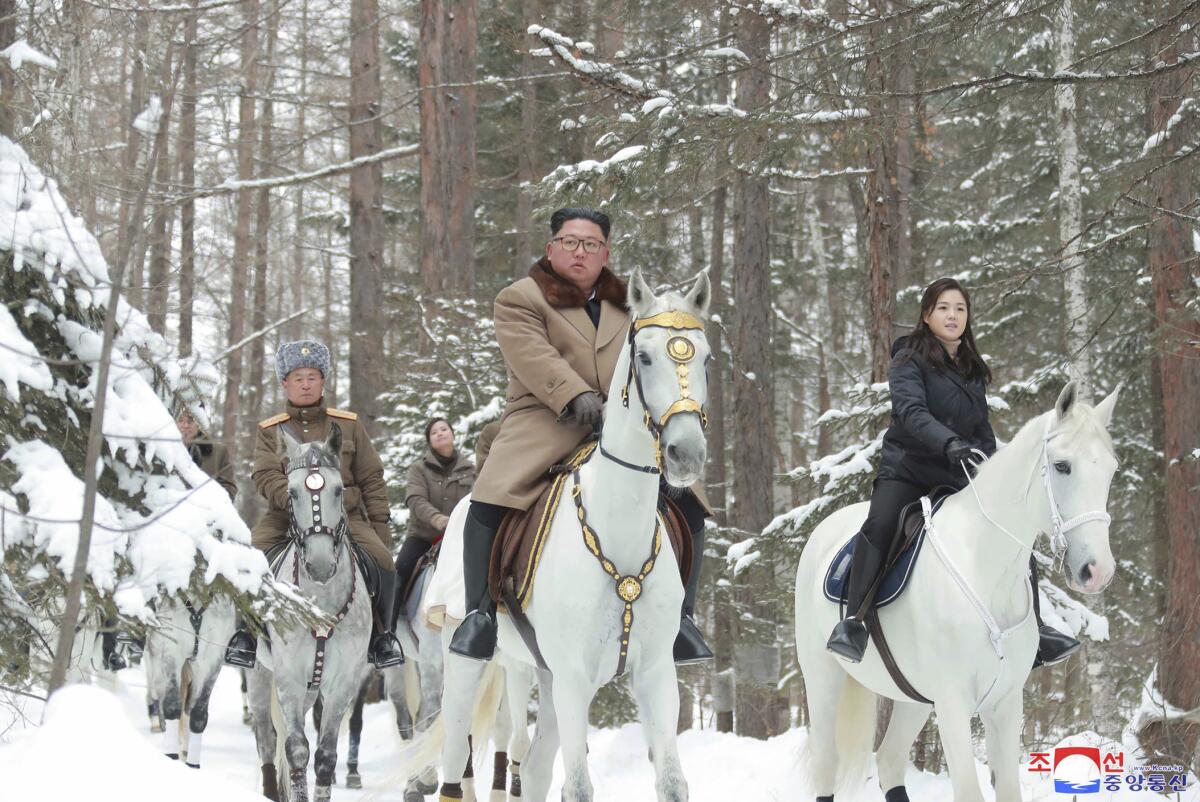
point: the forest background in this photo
(371, 174)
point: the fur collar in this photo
(561, 293)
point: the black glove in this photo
(958, 450)
(585, 409)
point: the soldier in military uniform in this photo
(302, 367)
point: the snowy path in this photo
(122, 767)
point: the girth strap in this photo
(197, 618)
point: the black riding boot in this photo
(689, 643)
(240, 653)
(113, 660)
(1053, 646)
(476, 635)
(849, 637)
(385, 650)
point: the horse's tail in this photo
(487, 706)
(425, 749)
(412, 688)
(854, 733)
(282, 771)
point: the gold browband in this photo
(670, 320)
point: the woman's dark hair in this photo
(571, 213)
(924, 344)
(429, 427)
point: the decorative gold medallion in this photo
(629, 589)
(681, 349)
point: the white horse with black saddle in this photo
(606, 599)
(963, 632)
(304, 664)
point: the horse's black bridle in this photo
(314, 483)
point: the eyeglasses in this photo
(572, 244)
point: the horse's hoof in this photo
(498, 795)
(324, 793)
(353, 779)
(897, 794)
(155, 725)
(426, 788)
(192, 765)
(406, 733)
(247, 718)
(414, 795)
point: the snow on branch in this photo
(20, 52)
(233, 185)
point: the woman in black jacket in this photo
(939, 415)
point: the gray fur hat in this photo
(301, 354)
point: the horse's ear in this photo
(333, 443)
(290, 444)
(700, 294)
(1066, 400)
(1104, 410)
(640, 294)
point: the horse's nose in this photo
(673, 451)
(1085, 573)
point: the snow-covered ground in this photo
(98, 746)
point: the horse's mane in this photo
(315, 455)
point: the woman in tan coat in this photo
(436, 482)
(560, 334)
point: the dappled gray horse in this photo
(304, 665)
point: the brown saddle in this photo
(517, 550)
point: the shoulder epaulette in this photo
(339, 413)
(274, 419)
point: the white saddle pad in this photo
(446, 597)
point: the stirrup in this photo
(849, 640)
(690, 648)
(385, 651)
(1054, 647)
(475, 637)
(239, 653)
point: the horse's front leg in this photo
(164, 685)
(954, 727)
(1002, 726)
(458, 704)
(572, 696)
(518, 681)
(539, 765)
(259, 698)
(656, 689)
(337, 697)
(291, 705)
(204, 677)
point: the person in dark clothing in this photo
(436, 483)
(937, 381)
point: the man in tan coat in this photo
(301, 367)
(559, 331)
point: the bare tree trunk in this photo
(8, 83)
(880, 205)
(241, 230)
(526, 171)
(187, 210)
(460, 243)
(127, 225)
(757, 657)
(446, 55)
(160, 245)
(292, 330)
(366, 212)
(262, 223)
(1174, 274)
